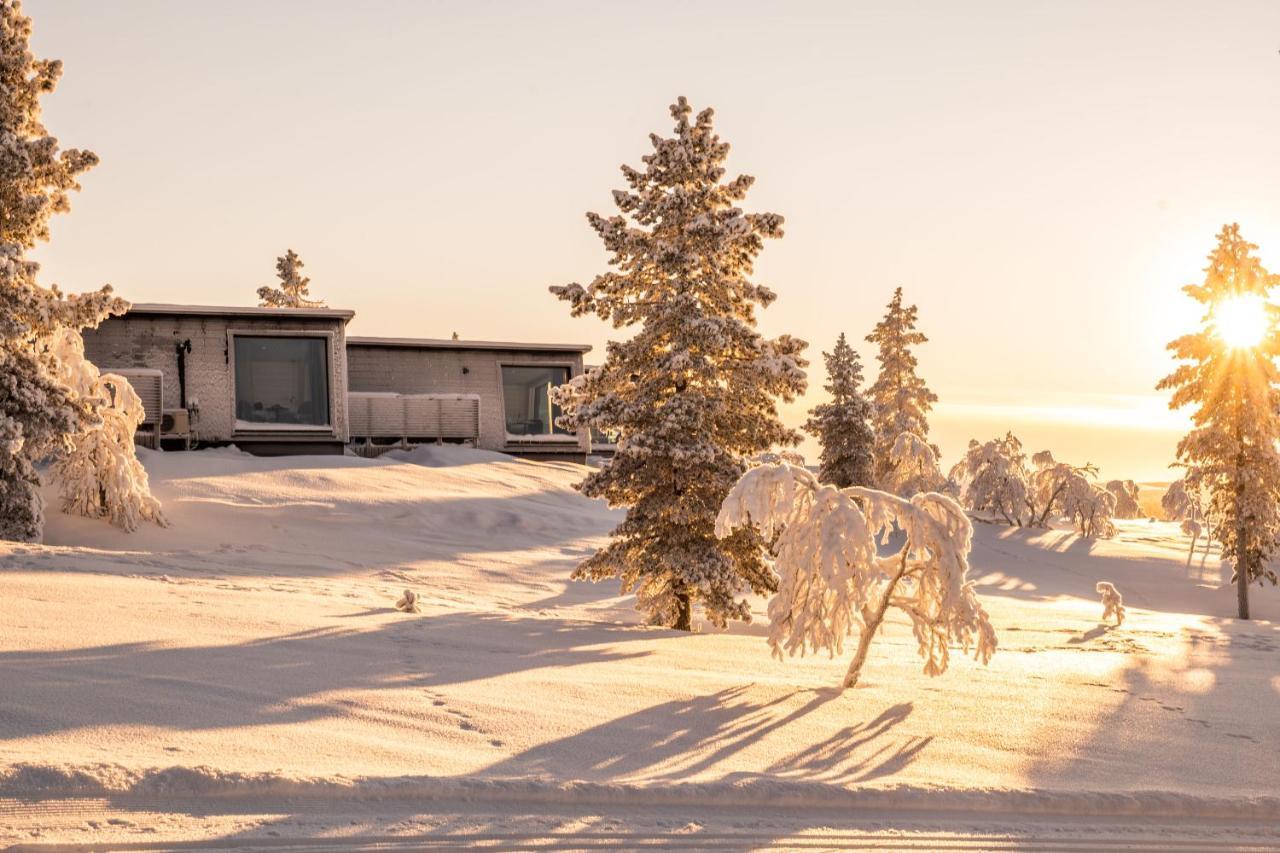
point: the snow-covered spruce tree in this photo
(1231, 451)
(1127, 504)
(993, 478)
(293, 290)
(900, 399)
(832, 580)
(843, 425)
(99, 471)
(692, 394)
(37, 411)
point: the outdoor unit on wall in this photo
(414, 416)
(149, 386)
(175, 422)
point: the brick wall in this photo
(409, 370)
(150, 341)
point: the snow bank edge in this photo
(34, 782)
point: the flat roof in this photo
(237, 311)
(437, 343)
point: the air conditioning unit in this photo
(149, 386)
(175, 422)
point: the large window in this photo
(282, 380)
(526, 397)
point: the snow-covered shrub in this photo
(1126, 492)
(1090, 508)
(408, 603)
(37, 411)
(900, 400)
(912, 467)
(293, 291)
(993, 478)
(1112, 603)
(98, 468)
(1177, 503)
(1232, 451)
(833, 583)
(692, 393)
(843, 425)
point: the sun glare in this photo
(1241, 321)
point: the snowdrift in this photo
(251, 652)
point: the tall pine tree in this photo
(843, 426)
(38, 411)
(1231, 451)
(900, 398)
(692, 394)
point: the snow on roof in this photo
(437, 343)
(237, 311)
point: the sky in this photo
(1040, 178)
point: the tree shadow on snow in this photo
(280, 680)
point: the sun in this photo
(1241, 321)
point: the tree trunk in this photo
(870, 626)
(684, 611)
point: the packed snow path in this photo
(245, 675)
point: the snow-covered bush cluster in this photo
(692, 394)
(832, 581)
(98, 470)
(994, 479)
(1126, 494)
(38, 411)
(294, 289)
(1231, 452)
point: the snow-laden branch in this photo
(832, 581)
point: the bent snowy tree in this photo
(833, 583)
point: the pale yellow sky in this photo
(1039, 177)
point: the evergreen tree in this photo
(38, 412)
(1231, 451)
(293, 289)
(843, 426)
(692, 394)
(900, 398)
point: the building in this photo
(270, 380)
(409, 388)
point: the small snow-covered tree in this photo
(1112, 602)
(1090, 508)
(1177, 503)
(293, 291)
(1231, 451)
(99, 471)
(692, 394)
(832, 580)
(1127, 504)
(843, 425)
(912, 467)
(37, 411)
(1052, 482)
(993, 478)
(900, 399)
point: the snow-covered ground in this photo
(243, 675)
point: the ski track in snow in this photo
(242, 679)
